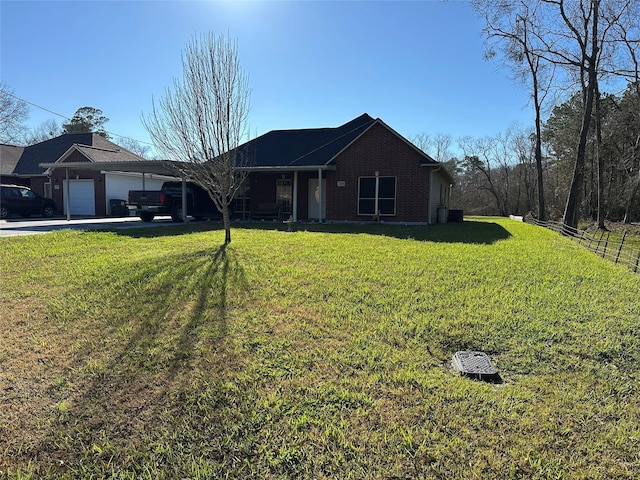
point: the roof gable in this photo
(101, 155)
(317, 147)
(51, 150)
(304, 147)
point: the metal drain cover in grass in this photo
(474, 364)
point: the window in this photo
(377, 195)
(241, 204)
(284, 194)
(26, 193)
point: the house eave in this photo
(274, 168)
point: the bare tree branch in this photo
(203, 119)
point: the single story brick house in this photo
(360, 171)
(90, 190)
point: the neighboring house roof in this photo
(51, 150)
(314, 147)
(9, 157)
(102, 155)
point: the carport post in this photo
(320, 192)
(295, 196)
(184, 200)
(67, 194)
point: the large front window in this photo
(241, 203)
(284, 195)
(377, 196)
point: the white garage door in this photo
(82, 197)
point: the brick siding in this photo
(379, 149)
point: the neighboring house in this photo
(90, 191)
(361, 171)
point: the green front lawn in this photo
(320, 353)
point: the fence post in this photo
(606, 243)
(635, 270)
(599, 240)
(624, 235)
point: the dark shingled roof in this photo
(9, 157)
(51, 150)
(305, 147)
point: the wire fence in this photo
(615, 247)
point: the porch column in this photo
(143, 181)
(320, 195)
(67, 195)
(376, 208)
(184, 200)
(295, 197)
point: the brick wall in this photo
(379, 149)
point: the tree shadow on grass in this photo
(164, 327)
(469, 231)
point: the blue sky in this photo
(416, 65)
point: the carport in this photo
(157, 167)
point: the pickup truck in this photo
(168, 201)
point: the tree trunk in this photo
(226, 221)
(636, 185)
(572, 208)
(600, 161)
(538, 151)
(632, 196)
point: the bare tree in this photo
(13, 113)
(202, 121)
(438, 146)
(45, 131)
(627, 33)
(509, 28)
(578, 36)
(492, 159)
(134, 146)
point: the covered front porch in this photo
(282, 194)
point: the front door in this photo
(314, 199)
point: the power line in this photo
(68, 119)
(35, 105)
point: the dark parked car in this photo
(15, 199)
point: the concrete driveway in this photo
(19, 226)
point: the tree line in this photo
(583, 160)
(498, 175)
(586, 155)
